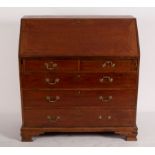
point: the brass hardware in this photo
(106, 78)
(100, 117)
(78, 76)
(51, 65)
(79, 92)
(108, 63)
(53, 81)
(109, 117)
(53, 118)
(52, 99)
(105, 98)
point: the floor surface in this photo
(10, 135)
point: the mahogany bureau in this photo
(79, 74)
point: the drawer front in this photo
(78, 117)
(108, 65)
(82, 80)
(63, 98)
(50, 65)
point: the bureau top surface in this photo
(63, 36)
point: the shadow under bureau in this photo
(79, 74)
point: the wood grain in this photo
(95, 60)
(79, 117)
(78, 80)
(105, 98)
(78, 37)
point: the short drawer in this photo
(50, 65)
(63, 98)
(108, 65)
(79, 117)
(81, 80)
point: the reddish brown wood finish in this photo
(78, 37)
(86, 65)
(79, 74)
(79, 80)
(105, 98)
(49, 65)
(109, 65)
(79, 117)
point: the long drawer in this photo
(63, 98)
(80, 80)
(79, 117)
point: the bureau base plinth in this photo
(128, 133)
